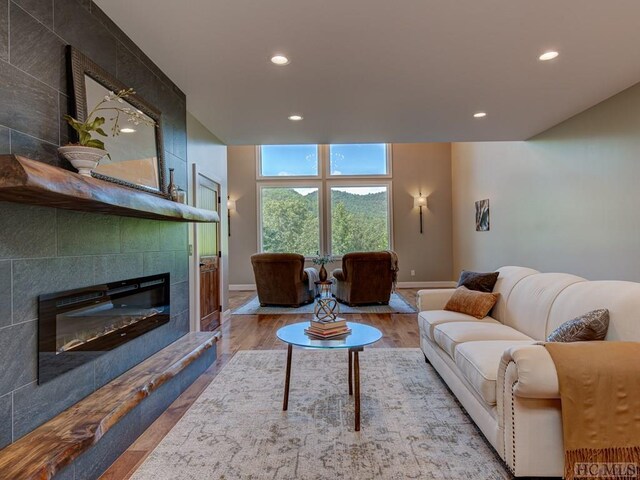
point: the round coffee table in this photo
(361, 335)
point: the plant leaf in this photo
(95, 143)
(101, 132)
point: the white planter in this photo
(83, 159)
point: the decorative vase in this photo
(172, 189)
(83, 159)
(322, 274)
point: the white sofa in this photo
(506, 382)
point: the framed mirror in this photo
(136, 153)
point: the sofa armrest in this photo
(338, 274)
(536, 373)
(434, 299)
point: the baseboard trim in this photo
(445, 284)
(248, 287)
(242, 287)
(226, 315)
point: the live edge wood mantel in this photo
(28, 181)
(52, 446)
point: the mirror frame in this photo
(81, 65)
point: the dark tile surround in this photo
(47, 250)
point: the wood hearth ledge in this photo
(28, 181)
(55, 444)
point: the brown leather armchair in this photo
(281, 279)
(365, 278)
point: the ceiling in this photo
(386, 71)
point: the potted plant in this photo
(322, 260)
(89, 150)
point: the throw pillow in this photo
(482, 282)
(471, 302)
(587, 327)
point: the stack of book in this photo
(328, 329)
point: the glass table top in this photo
(360, 336)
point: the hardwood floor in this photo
(255, 332)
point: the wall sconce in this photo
(419, 202)
(231, 206)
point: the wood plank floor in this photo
(255, 332)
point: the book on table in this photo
(328, 334)
(328, 325)
(326, 329)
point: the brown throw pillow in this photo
(471, 302)
(587, 327)
(482, 282)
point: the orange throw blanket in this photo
(600, 395)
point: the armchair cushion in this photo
(338, 274)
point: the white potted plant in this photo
(87, 153)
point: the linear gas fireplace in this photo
(76, 326)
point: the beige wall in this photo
(210, 155)
(422, 167)
(564, 201)
(241, 166)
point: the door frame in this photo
(194, 264)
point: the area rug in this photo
(397, 304)
(412, 428)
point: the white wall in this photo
(567, 200)
(210, 155)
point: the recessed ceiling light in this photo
(480, 114)
(127, 130)
(550, 55)
(295, 118)
(280, 60)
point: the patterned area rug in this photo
(412, 428)
(397, 304)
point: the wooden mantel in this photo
(52, 446)
(27, 181)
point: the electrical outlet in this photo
(413, 273)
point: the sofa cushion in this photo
(479, 361)
(428, 320)
(482, 282)
(587, 327)
(449, 335)
(471, 302)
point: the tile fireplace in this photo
(76, 326)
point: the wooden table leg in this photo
(350, 372)
(356, 374)
(285, 402)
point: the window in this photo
(344, 210)
(290, 219)
(365, 159)
(288, 161)
(359, 219)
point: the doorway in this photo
(207, 253)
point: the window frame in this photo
(261, 177)
(358, 183)
(290, 184)
(327, 166)
(324, 181)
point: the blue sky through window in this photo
(289, 160)
(358, 159)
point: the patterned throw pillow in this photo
(471, 302)
(482, 282)
(587, 327)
